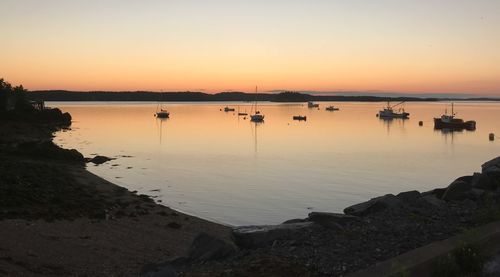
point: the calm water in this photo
(221, 167)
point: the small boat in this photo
(300, 117)
(227, 109)
(312, 105)
(332, 108)
(451, 122)
(388, 112)
(257, 116)
(241, 113)
(162, 114)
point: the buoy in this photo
(420, 123)
(492, 137)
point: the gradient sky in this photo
(447, 46)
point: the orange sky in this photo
(401, 46)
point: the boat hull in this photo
(162, 115)
(257, 118)
(300, 118)
(456, 125)
(394, 115)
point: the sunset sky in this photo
(447, 46)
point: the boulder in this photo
(430, 199)
(457, 190)
(160, 270)
(489, 180)
(295, 220)
(331, 220)
(206, 247)
(261, 235)
(99, 159)
(47, 149)
(436, 192)
(466, 178)
(408, 196)
(475, 193)
(374, 205)
(492, 165)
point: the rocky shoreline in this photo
(332, 244)
(58, 219)
(85, 220)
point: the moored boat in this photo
(256, 116)
(388, 112)
(312, 105)
(162, 114)
(228, 109)
(447, 121)
(331, 108)
(300, 117)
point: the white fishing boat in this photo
(388, 112)
(312, 105)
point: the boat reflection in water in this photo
(389, 121)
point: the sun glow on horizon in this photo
(403, 46)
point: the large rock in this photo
(99, 159)
(295, 220)
(374, 205)
(489, 180)
(457, 190)
(436, 192)
(492, 165)
(261, 235)
(206, 247)
(159, 270)
(475, 193)
(408, 196)
(47, 149)
(430, 200)
(331, 220)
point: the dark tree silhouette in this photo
(5, 92)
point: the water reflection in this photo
(388, 122)
(159, 123)
(255, 125)
(219, 167)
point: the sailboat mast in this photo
(255, 99)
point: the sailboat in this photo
(160, 112)
(257, 116)
(447, 121)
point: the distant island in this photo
(189, 96)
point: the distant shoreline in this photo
(149, 96)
